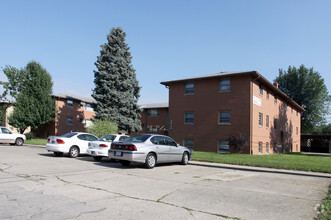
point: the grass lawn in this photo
(291, 161)
(36, 141)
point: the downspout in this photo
(251, 115)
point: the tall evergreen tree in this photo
(34, 104)
(116, 87)
(307, 88)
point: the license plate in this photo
(118, 153)
(93, 152)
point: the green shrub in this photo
(29, 135)
(103, 127)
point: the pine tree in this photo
(34, 103)
(116, 87)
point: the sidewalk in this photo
(260, 169)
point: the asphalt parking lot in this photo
(35, 184)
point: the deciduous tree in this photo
(34, 104)
(307, 88)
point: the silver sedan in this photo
(149, 149)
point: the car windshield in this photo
(69, 135)
(138, 138)
(107, 138)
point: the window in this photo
(267, 121)
(189, 88)
(260, 147)
(88, 107)
(291, 129)
(267, 147)
(267, 94)
(224, 117)
(69, 121)
(189, 143)
(223, 147)
(225, 85)
(153, 112)
(122, 138)
(286, 127)
(5, 131)
(260, 89)
(297, 130)
(189, 118)
(70, 103)
(275, 100)
(153, 128)
(275, 123)
(260, 119)
(291, 110)
(296, 147)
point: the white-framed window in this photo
(260, 119)
(153, 128)
(189, 118)
(223, 147)
(189, 88)
(275, 99)
(267, 147)
(69, 121)
(70, 103)
(267, 121)
(224, 85)
(224, 117)
(88, 107)
(267, 94)
(153, 112)
(260, 147)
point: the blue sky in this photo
(168, 39)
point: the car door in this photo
(161, 149)
(174, 152)
(6, 136)
(83, 140)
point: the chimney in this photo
(276, 84)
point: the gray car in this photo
(149, 149)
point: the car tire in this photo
(74, 152)
(97, 158)
(58, 153)
(19, 142)
(185, 158)
(150, 161)
(125, 163)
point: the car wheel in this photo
(125, 163)
(58, 153)
(150, 161)
(185, 158)
(73, 152)
(97, 158)
(19, 142)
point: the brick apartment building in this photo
(204, 112)
(74, 113)
(154, 118)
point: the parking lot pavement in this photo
(35, 184)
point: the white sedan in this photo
(74, 143)
(149, 149)
(99, 148)
(6, 136)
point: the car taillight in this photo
(48, 139)
(59, 141)
(103, 145)
(129, 147)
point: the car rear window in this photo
(69, 135)
(138, 138)
(107, 138)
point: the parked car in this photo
(7, 137)
(99, 148)
(149, 149)
(74, 143)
